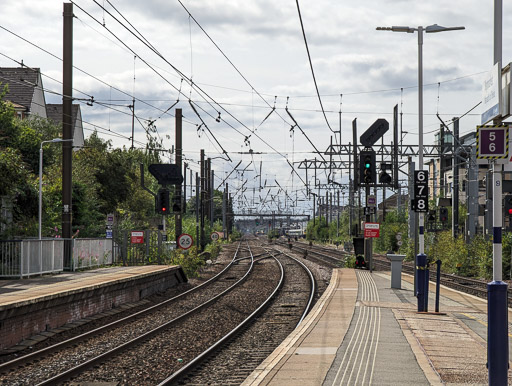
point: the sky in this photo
(242, 64)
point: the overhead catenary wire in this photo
(253, 89)
(311, 66)
(201, 92)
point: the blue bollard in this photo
(421, 266)
(427, 282)
(438, 283)
(497, 333)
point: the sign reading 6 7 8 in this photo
(420, 201)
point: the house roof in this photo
(54, 112)
(21, 81)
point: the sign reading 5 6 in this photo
(492, 142)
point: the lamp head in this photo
(437, 28)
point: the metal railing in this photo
(20, 258)
(89, 253)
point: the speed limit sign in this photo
(214, 236)
(185, 241)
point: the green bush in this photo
(350, 262)
(189, 260)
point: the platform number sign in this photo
(185, 241)
(492, 143)
(420, 201)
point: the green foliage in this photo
(235, 235)
(350, 261)
(395, 223)
(189, 260)
(214, 248)
(13, 171)
(457, 256)
(273, 234)
(337, 231)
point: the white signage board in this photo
(491, 92)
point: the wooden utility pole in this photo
(212, 194)
(178, 188)
(198, 189)
(207, 175)
(202, 199)
(224, 209)
(67, 133)
(184, 200)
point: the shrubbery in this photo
(472, 259)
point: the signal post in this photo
(368, 177)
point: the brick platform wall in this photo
(18, 323)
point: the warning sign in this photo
(137, 237)
(371, 229)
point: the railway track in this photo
(253, 340)
(469, 285)
(66, 359)
(332, 258)
(464, 284)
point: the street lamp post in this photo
(55, 140)
(421, 259)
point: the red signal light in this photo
(510, 211)
(164, 209)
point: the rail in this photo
(201, 357)
(20, 361)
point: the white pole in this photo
(420, 131)
(497, 223)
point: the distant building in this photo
(26, 94)
(54, 112)
(25, 90)
(395, 201)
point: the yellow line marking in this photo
(479, 321)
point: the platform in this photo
(40, 304)
(364, 332)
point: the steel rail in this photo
(59, 346)
(173, 378)
(133, 342)
(312, 289)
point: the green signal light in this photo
(367, 165)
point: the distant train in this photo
(295, 233)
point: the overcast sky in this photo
(359, 71)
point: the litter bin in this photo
(396, 270)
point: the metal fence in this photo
(92, 253)
(20, 258)
(150, 250)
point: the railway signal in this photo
(367, 169)
(384, 176)
(508, 205)
(176, 202)
(443, 214)
(162, 201)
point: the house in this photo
(54, 112)
(25, 90)
(26, 94)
